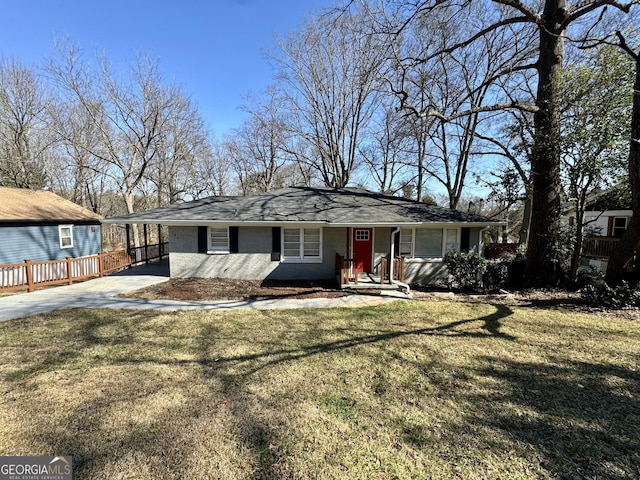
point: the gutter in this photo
(407, 289)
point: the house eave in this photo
(272, 223)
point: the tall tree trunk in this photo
(577, 247)
(523, 235)
(625, 252)
(541, 269)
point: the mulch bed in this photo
(229, 289)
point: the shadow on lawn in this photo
(228, 376)
(491, 324)
(584, 418)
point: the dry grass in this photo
(408, 390)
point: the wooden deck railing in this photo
(30, 275)
(147, 253)
(346, 270)
(599, 247)
(398, 269)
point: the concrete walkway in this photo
(102, 292)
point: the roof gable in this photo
(23, 205)
(330, 206)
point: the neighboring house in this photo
(40, 225)
(606, 218)
(297, 234)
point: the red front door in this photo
(363, 248)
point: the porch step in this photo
(370, 283)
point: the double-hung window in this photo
(406, 242)
(65, 234)
(218, 240)
(302, 244)
(452, 242)
(619, 226)
(428, 242)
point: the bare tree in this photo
(130, 115)
(262, 143)
(79, 173)
(329, 72)
(385, 151)
(212, 173)
(26, 145)
(180, 147)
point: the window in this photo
(428, 242)
(619, 226)
(65, 233)
(406, 242)
(302, 244)
(452, 243)
(362, 235)
(218, 240)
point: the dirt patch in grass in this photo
(210, 289)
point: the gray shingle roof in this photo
(344, 206)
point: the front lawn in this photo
(407, 390)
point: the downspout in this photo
(407, 289)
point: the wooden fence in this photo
(146, 253)
(30, 275)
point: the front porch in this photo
(390, 275)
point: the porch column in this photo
(392, 253)
(146, 243)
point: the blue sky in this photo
(214, 49)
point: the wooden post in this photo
(383, 269)
(29, 273)
(69, 272)
(160, 241)
(100, 264)
(146, 243)
(127, 229)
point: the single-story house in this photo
(297, 234)
(39, 225)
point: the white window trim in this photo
(301, 258)
(444, 239)
(443, 243)
(60, 227)
(614, 227)
(210, 249)
(413, 241)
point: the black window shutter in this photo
(203, 243)
(465, 237)
(275, 244)
(233, 239)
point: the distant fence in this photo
(30, 275)
(500, 250)
(599, 247)
(147, 253)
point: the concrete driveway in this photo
(102, 293)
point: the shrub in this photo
(606, 296)
(496, 275)
(466, 269)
